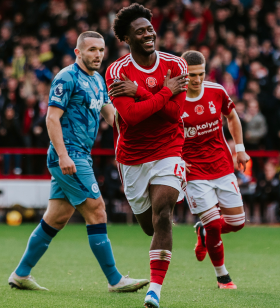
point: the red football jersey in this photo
(205, 147)
(150, 129)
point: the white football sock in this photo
(156, 288)
(220, 270)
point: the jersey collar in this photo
(195, 99)
(77, 65)
(142, 69)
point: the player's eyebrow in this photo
(143, 28)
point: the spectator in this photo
(41, 71)
(10, 136)
(18, 63)
(268, 188)
(6, 43)
(46, 56)
(256, 127)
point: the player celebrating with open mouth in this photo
(211, 180)
(150, 134)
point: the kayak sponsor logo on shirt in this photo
(199, 109)
(151, 82)
(207, 128)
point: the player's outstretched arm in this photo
(235, 129)
(55, 133)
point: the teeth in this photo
(150, 42)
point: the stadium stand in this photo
(240, 40)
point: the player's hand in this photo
(123, 88)
(242, 158)
(67, 165)
(167, 78)
(176, 84)
(187, 168)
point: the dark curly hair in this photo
(126, 16)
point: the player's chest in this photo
(201, 117)
(153, 82)
(200, 111)
(89, 93)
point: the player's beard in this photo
(88, 65)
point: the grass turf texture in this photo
(71, 273)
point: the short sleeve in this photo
(61, 90)
(227, 104)
(179, 67)
(106, 100)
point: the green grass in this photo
(74, 278)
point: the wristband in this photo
(239, 148)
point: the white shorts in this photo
(204, 194)
(136, 179)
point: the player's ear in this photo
(77, 52)
(126, 39)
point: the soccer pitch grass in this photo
(71, 273)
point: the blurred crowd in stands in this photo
(240, 40)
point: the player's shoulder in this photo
(173, 60)
(66, 74)
(213, 86)
(113, 71)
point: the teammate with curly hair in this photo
(150, 133)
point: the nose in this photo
(147, 33)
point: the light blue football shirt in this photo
(82, 97)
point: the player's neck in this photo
(84, 68)
(193, 93)
(144, 60)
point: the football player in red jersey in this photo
(150, 134)
(211, 180)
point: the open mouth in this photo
(149, 43)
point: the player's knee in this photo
(99, 212)
(61, 221)
(162, 218)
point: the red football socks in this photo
(159, 262)
(232, 223)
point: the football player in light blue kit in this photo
(77, 97)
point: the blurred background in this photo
(240, 40)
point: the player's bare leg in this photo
(211, 227)
(163, 199)
(59, 211)
(145, 220)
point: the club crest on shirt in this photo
(58, 91)
(199, 109)
(151, 82)
(96, 90)
(212, 107)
